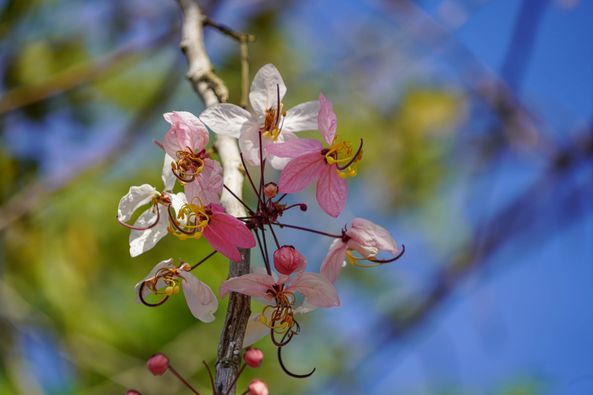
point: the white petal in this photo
(301, 117)
(199, 297)
(143, 240)
(228, 119)
(146, 292)
(136, 197)
(255, 329)
(265, 87)
(277, 162)
(167, 175)
(249, 145)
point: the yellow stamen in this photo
(272, 127)
(196, 220)
(355, 260)
(341, 153)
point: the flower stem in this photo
(307, 230)
(184, 381)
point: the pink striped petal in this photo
(300, 172)
(199, 297)
(332, 191)
(295, 148)
(369, 238)
(326, 120)
(334, 260)
(252, 284)
(316, 289)
(226, 234)
(207, 186)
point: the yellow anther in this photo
(355, 260)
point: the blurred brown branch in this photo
(80, 74)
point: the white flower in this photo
(268, 118)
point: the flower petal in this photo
(301, 117)
(167, 175)
(332, 191)
(295, 148)
(199, 297)
(249, 145)
(334, 260)
(207, 185)
(255, 330)
(327, 121)
(300, 172)
(368, 238)
(267, 85)
(135, 198)
(186, 131)
(143, 240)
(252, 284)
(316, 289)
(160, 283)
(228, 119)
(226, 234)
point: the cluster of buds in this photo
(188, 207)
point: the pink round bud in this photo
(258, 387)
(253, 357)
(133, 392)
(288, 260)
(271, 190)
(158, 364)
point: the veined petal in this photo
(167, 175)
(300, 172)
(332, 191)
(252, 284)
(265, 87)
(327, 121)
(370, 235)
(228, 119)
(135, 198)
(277, 162)
(207, 186)
(249, 145)
(316, 289)
(334, 260)
(301, 117)
(143, 240)
(295, 148)
(226, 234)
(186, 131)
(199, 297)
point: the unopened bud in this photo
(158, 364)
(288, 260)
(133, 392)
(253, 357)
(271, 190)
(258, 387)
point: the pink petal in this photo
(370, 235)
(186, 132)
(295, 148)
(332, 191)
(252, 284)
(277, 162)
(255, 330)
(301, 117)
(326, 120)
(300, 172)
(264, 89)
(334, 260)
(226, 234)
(207, 186)
(316, 289)
(199, 297)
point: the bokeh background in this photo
(476, 117)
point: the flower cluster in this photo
(267, 135)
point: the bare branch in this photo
(212, 90)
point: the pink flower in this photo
(365, 238)
(158, 364)
(253, 357)
(268, 118)
(310, 161)
(288, 260)
(258, 387)
(225, 233)
(164, 280)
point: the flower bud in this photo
(258, 387)
(132, 392)
(288, 260)
(158, 364)
(271, 190)
(253, 357)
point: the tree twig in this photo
(211, 89)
